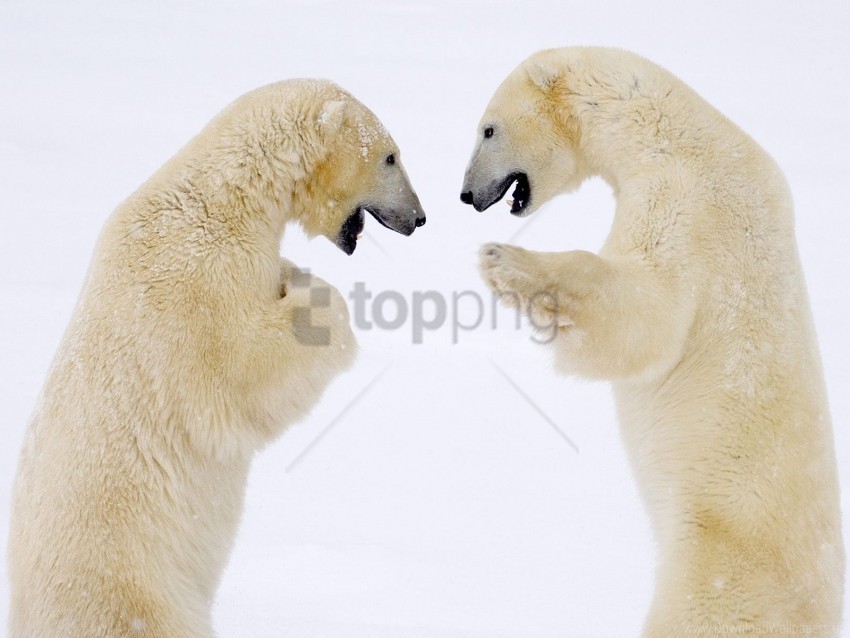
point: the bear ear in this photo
(331, 117)
(543, 74)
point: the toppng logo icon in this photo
(320, 297)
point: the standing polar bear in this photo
(696, 309)
(191, 347)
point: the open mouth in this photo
(352, 228)
(518, 201)
(350, 232)
(521, 196)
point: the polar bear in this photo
(696, 309)
(192, 346)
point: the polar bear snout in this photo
(391, 201)
(483, 198)
(401, 222)
(397, 207)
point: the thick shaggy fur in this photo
(696, 309)
(191, 347)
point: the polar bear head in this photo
(307, 151)
(357, 170)
(526, 137)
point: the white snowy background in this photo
(440, 504)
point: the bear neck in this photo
(630, 123)
(257, 156)
(248, 179)
(614, 147)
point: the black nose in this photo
(466, 197)
(420, 222)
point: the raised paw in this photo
(520, 279)
(510, 270)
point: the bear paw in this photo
(515, 275)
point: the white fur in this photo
(697, 310)
(183, 357)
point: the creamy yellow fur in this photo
(697, 310)
(184, 357)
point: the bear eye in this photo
(390, 159)
(488, 132)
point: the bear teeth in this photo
(510, 202)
